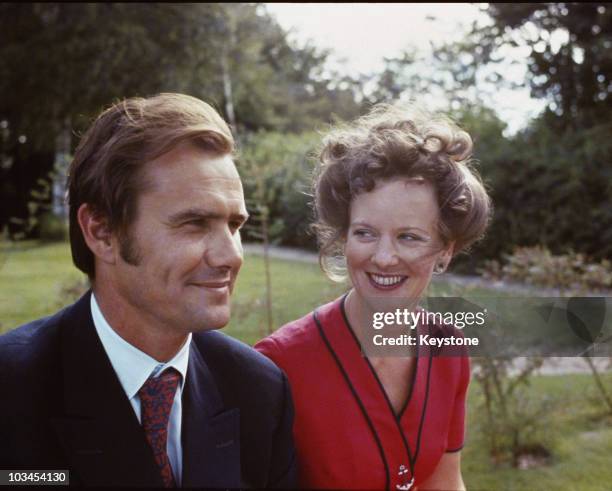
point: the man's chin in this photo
(212, 322)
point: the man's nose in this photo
(225, 249)
(385, 255)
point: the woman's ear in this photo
(445, 258)
(97, 233)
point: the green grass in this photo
(578, 433)
(580, 436)
(32, 277)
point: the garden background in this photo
(550, 182)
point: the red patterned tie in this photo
(156, 398)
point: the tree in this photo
(568, 50)
(60, 64)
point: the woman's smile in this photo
(386, 282)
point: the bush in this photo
(538, 267)
(276, 169)
(515, 422)
(554, 189)
(52, 228)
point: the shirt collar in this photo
(132, 366)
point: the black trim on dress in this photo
(356, 396)
(411, 460)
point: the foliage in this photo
(566, 47)
(272, 84)
(581, 441)
(273, 167)
(515, 423)
(82, 57)
(569, 60)
(571, 273)
(276, 170)
(52, 228)
(537, 266)
(548, 188)
(552, 183)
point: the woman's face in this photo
(393, 244)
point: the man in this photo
(131, 385)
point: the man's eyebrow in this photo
(202, 214)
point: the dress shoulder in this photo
(295, 337)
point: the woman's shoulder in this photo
(297, 335)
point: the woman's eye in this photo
(363, 233)
(410, 237)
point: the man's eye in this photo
(195, 223)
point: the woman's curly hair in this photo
(399, 140)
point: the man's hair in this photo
(109, 163)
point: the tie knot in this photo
(160, 390)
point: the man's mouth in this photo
(386, 281)
(217, 284)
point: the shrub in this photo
(276, 170)
(553, 189)
(537, 266)
(516, 419)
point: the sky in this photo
(362, 34)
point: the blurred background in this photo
(531, 82)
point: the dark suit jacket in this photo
(63, 407)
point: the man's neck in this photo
(137, 328)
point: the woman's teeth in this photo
(386, 280)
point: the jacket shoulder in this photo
(226, 355)
(29, 344)
(245, 378)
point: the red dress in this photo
(346, 432)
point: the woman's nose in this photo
(385, 255)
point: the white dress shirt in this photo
(133, 368)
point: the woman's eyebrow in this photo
(360, 222)
(408, 227)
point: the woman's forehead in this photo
(399, 202)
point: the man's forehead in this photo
(192, 170)
(187, 175)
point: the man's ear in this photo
(97, 233)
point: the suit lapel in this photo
(210, 435)
(99, 431)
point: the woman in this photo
(395, 201)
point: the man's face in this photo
(185, 242)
